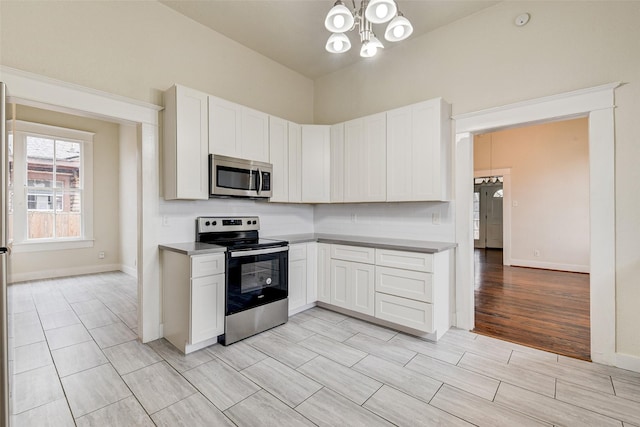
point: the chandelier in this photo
(340, 20)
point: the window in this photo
(50, 172)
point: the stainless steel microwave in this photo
(232, 177)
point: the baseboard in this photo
(62, 272)
(574, 268)
(300, 309)
(627, 361)
(131, 271)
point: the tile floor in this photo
(75, 360)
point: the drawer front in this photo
(353, 253)
(406, 312)
(404, 283)
(297, 252)
(206, 265)
(406, 260)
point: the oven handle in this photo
(237, 254)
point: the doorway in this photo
(488, 196)
(598, 105)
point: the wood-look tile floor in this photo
(545, 309)
(75, 360)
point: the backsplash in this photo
(432, 221)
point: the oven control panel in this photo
(216, 224)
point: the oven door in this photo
(256, 277)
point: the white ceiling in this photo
(292, 33)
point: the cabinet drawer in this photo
(353, 253)
(206, 265)
(415, 285)
(406, 260)
(297, 252)
(406, 312)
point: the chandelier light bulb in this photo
(380, 11)
(339, 19)
(338, 43)
(398, 29)
(368, 50)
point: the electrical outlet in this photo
(435, 218)
(165, 221)
(101, 254)
(354, 217)
(536, 252)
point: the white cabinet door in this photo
(295, 163)
(316, 146)
(340, 272)
(297, 283)
(312, 272)
(365, 165)
(279, 158)
(400, 155)
(362, 288)
(418, 152)
(324, 272)
(255, 135)
(337, 163)
(186, 169)
(225, 127)
(352, 286)
(207, 307)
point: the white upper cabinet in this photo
(186, 169)
(238, 131)
(419, 152)
(365, 146)
(316, 170)
(255, 135)
(225, 122)
(295, 163)
(337, 163)
(279, 158)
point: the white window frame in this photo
(21, 243)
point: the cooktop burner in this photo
(236, 233)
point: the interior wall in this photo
(45, 264)
(128, 199)
(549, 191)
(138, 49)
(485, 61)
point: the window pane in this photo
(40, 224)
(68, 218)
(68, 164)
(40, 161)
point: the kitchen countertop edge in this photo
(193, 248)
(429, 247)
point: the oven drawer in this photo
(207, 265)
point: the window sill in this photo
(51, 245)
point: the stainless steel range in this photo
(256, 275)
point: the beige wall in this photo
(550, 182)
(105, 209)
(139, 49)
(486, 61)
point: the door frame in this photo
(39, 91)
(596, 103)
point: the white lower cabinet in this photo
(303, 280)
(193, 299)
(352, 283)
(409, 289)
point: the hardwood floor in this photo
(544, 309)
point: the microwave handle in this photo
(259, 189)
